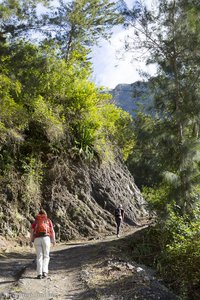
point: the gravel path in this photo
(87, 270)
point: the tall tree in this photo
(72, 26)
(80, 23)
(170, 34)
(19, 17)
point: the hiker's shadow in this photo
(29, 277)
(8, 281)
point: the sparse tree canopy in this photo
(170, 36)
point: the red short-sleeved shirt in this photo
(50, 227)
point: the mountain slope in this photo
(132, 96)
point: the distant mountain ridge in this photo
(131, 96)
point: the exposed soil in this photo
(92, 270)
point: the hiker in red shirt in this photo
(41, 235)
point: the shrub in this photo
(172, 247)
(179, 260)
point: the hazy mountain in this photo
(132, 96)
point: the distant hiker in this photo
(41, 235)
(119, 217)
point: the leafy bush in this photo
(180, 258)
(31, 182)
(172, 246)
(157, 199)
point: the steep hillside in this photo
(131, 96)
(54, 124)
(79, 197)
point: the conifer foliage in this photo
(170, 33)
(166, 155)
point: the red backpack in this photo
(42, 227)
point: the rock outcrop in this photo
(79, 197)
(133, 96)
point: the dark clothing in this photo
(119, 216)
(119, 213)
(118, 223)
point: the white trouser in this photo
(42, 247)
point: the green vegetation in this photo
(47, 98)
(165, 159)
(179, 259)
(49, 108)
(172, 246)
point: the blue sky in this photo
(109, 69)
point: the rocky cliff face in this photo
(83, 198)
(132, 96)
(79, 197)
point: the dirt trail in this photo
(91, 271)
